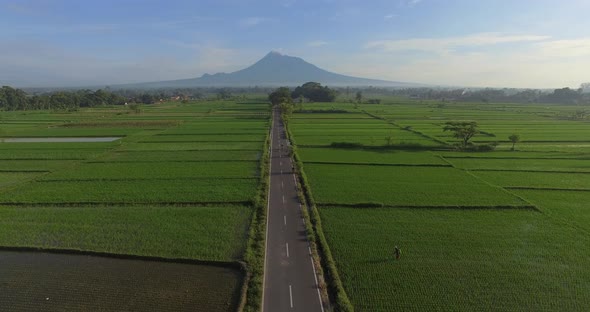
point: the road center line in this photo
(287, 246)
(283, 199)
(285, 218)
(291, 296)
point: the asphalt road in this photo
(290, 281)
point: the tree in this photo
(462, 130)
(147, 99)
(280, 96)
(564, 96)
(13, 99)
(514, 138)
(224, 94)
(63, 101)
(314, 92)
(359, 97)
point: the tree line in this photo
(16, 99)
(488, 95)
(308, 92)
(12, 99)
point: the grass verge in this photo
(251, 300)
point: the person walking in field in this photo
(397, 253)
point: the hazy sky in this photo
(497, 43)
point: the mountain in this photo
(275, 69)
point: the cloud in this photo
(486, 60)
(210, 57)
(317, 43)
(572, 48)
(450, 43)
(29, 63)
(390, 16)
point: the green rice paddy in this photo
(177, 185)
(502, 230)
(489, 231)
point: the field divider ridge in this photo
(226, 264)
(458, 207)
(467, 171)
(126, 204)
(376, 164)
(443, 143)
(526, 170)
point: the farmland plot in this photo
(58, 282)
(457, 260)
(369, 201)
(180, 184)
(403, 186)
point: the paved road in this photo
(290, 281)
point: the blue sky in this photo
(499, 43)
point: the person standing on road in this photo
(397, 253)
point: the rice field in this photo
(56, 282)
(403, 186)
(180, 184)
(456, 260)
(513, 234)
